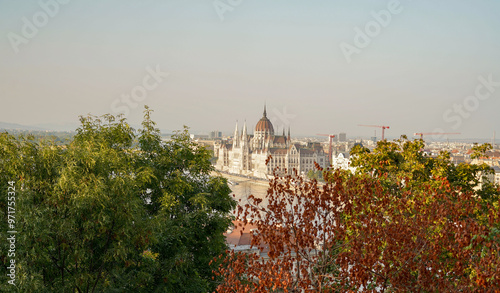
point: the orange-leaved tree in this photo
(352, 234)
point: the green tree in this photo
(353, 234)
(402, 165)
(315, 174)
(81, 221)
(404, 222)
(192, 208)
(113, 210)
(10, 166)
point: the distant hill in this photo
(14, 126)
(71, 127)
(58, 127)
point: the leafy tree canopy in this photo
(403, 165)
(405, 222)
(113, 210)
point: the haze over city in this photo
(320, 66)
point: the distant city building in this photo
(342, 162)
(215, 134)
(247, 154)
(342, 137)
(198, 136)
(497, 174)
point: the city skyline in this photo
(320, 66)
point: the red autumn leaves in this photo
(353, 233)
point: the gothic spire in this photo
(236, 137)
(244, 136)
(244, 133)
(265, 112)
(236, 129)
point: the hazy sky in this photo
(413, 65)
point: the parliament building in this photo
(246, 154)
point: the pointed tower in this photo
(236, 137)
(288, 141)
(245, 154)
(263, 129)
(244, 136)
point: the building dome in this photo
(264, 124)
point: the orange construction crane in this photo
(330, 149)
(383, 128)
(421, 134)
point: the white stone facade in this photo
(247, 154)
